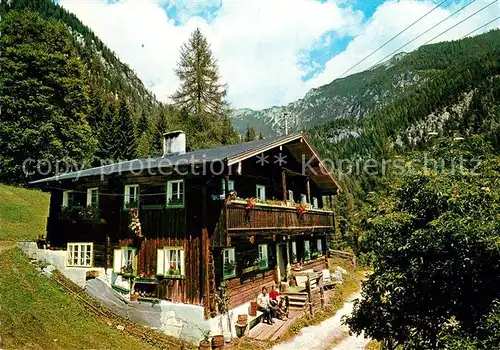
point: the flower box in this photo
(250, 269)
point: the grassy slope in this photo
(23, 213)
(36, 313)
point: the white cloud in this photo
(259, 43)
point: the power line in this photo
(425, 32)
(391, 39)
(484, 25)
(483, 8)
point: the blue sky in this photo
(270, 52)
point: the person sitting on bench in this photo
(265, 307)
(278, 302)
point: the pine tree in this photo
(125, 147)
(250, 134)
(160, 127)
(44, 97)
(142, 125)
(107, 133)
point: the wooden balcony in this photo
(265, 217)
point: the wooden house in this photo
(246, 214)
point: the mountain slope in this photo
(107, 74)
(362, 94)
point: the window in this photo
(131, 198)
(315, 203)
(261, 192)
(124, 261)
(175, 193)
(92, 196)
(79, 254)
(230, 187)
(319, 246)
(263, 261)
(294, 251)
(307, 251)
(170, 262)
(229, 262)
(68, 199)
(303, 198)
(290, 195)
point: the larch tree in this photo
(201, 96)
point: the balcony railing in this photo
(273, 217)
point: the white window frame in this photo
(307, 246)
(315, 203)
(80, 254)
(303, 198)
(164, 260)
(260, 187)
(122, 257)
(126, 197)
(294, 249)
(65, 201)
(290, 195)
(263, 255)
(230, 187)
(89, 196)
(170, 193)
(319, 246)
(228, 254)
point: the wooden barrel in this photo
(218, 342)
(242, 319)
(253, 308)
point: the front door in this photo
(282, 260)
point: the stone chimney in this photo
(174, 142)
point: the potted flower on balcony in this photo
(300, 210)
(315, 254)
(90, 213)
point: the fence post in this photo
(309, 295)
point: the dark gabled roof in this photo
(228, 154)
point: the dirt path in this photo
(329, 334)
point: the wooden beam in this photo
(283, 183)
(308, 190)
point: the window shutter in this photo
(117, 261)
(160, 262)
(232, 255)
(169, 191)
(134, 263)
(181, 254)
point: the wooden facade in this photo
(205, 225)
